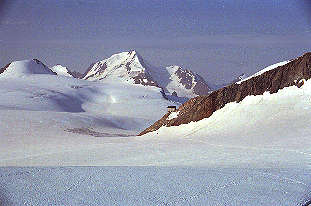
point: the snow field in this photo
(153, 186)
(256, 152)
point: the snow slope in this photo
(271, 128)
(61, 70)
(52, 93)
(263, 71)
(248, 153)
(24, 68)
(153, 186)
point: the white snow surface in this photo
(61, 70)
(256, 152)
(117, 68)
(153, 186)
(173, 115)
(24, 68)
(264, 70)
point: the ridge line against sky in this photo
(217, 39)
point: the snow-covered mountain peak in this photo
(25, 67)
(61, 70)
(130, 67)
(124, 66)
(185, 82)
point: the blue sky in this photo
(217, 39)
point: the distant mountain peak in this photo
(25, 67)
(187, 82)
(125, 66)
(130, 67)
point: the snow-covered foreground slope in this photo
(153, 186)
(267, 130)
(254, 152)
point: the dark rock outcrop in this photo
(271, 81)
(4, 68)
(76, 74)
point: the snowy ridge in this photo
(61, 70)
(24, 68)
(130, 67)
(264, 70)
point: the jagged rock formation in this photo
(271, 81)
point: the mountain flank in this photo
(25, 67)
(271, 81)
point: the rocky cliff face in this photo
(271, 81)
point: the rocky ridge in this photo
(271, 81)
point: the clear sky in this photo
(218, 39)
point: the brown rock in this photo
(272, 81)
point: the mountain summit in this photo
(130, 67)
(25, 67)
(125, 66)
